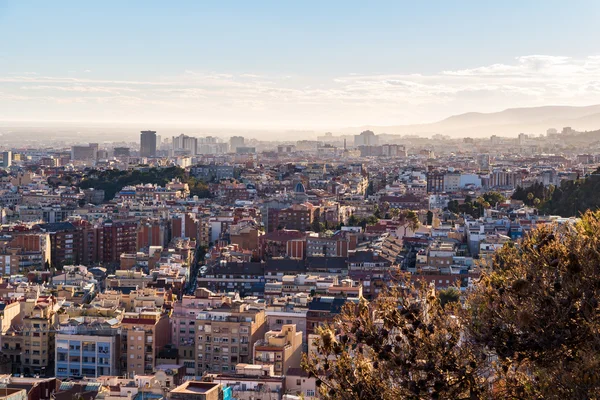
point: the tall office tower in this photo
(235, 142)
(6, 159)
(94, 150)
(148, 144)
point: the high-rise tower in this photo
(148, 144)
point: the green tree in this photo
(530, 196)
(493, 197)
(376, 211)
(353, 220)
(412, 219)
(429, 217)
(370, 189)
(394, 212)
(453, 206)
(450, 295)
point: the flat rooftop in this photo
(195, 387)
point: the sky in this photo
(304, 64)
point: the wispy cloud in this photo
(344, 100)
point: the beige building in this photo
(282, 349)
(144, 335)
(226, 336)
(299, 383)
(194, 390)
(11, 314)
(278, 318)
(36, 331)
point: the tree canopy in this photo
(400, 346)
(538, 311)
(528, 329)
(113, 180)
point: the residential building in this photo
(87, 351)
(282, 349)
(235, 142)
(144, 335)
(195, 390)
(226, 336)
(251, 382)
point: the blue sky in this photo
(292, 64)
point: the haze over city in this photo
(274, 65)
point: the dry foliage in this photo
(529, 330)
(538, 311)
(403, 345)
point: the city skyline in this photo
(270, 65)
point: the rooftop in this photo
(195, 387)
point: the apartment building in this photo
(86, 352)
(22, 251)
(282, 349)
(251, 382)
(144, 335)
(116, 238)
(183, 323)
(195, 390)
(226, 336)
(297, 217)
(246, 278)
(39, 317)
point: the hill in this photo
(533, 120)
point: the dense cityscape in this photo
(315, 200)
(201, 267)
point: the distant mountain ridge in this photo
(509, 122)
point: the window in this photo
(310, 393)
